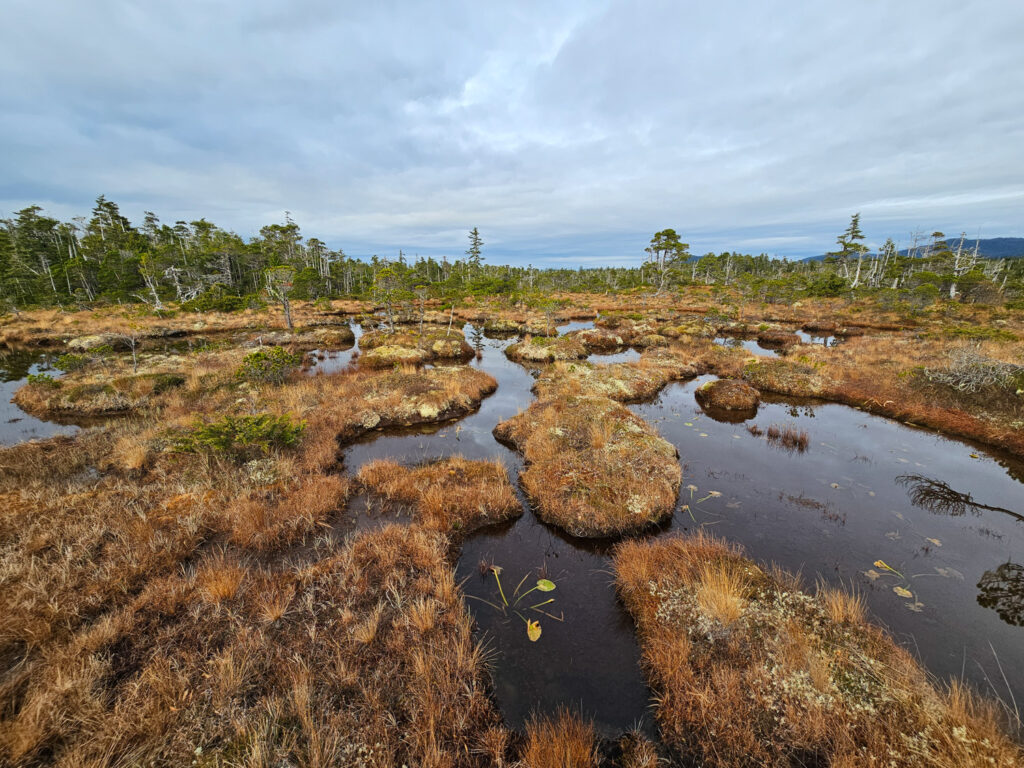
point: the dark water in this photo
(848, 500)
(866, 489)
(16, 426)
(335, 359)
(750, 345)
(590, 659)
(810, 338)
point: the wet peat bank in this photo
(861, 489)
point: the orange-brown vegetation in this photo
(593, 468)
(108, 325)
(161, 607)
(749, 670)
(788, 437)
(563, 740)
(362, 656)
(453, 495)
(626, 382)
(728, 395)
(382, 349)
(542, 349)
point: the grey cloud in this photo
(566, 131)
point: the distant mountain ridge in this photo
(988, 248)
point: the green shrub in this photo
(242, 437)
(43, 380)
(978, 333)
(216, 298)
(71, 362)
(827, 285)
(269, 365)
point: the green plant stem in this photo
(500, 590)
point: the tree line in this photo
(105, 258)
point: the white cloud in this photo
(564, 130)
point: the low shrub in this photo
(979, 333)
(216, 298)
(969, 372)
(243, 437)
(269, 365)
(43, 380)
(72, 362)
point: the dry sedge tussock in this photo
(364, 657)
(541, 349)
(453, 495)
(563, 740)
(157, 602)
(625, 382)
(51, 327)
(593, 468)
(383, 349)
(747, 671)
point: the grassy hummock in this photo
(407, 346)
(728, 395)
(544, 349)
(625, 382)
(453, 495)
(749, 670)
(593, 468)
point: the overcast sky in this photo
(568, 132)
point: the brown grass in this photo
(563, 740)
(728, 395)
(788, 437)
(453, 495)
(155, 602)
(748, 671)
(625, 382)
(364, 656)
(541, 349)
(593, 468)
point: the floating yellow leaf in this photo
(902, 592)
(545, 585)
(975, 456)
(688, 423)
(533, 630)
(872, 574)
(886, 567)
(936, 542)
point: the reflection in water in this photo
(1002, 590)
(936, 496)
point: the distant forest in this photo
(106, 259)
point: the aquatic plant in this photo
(788, 437)
(533, 628)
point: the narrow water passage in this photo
(590, 660)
